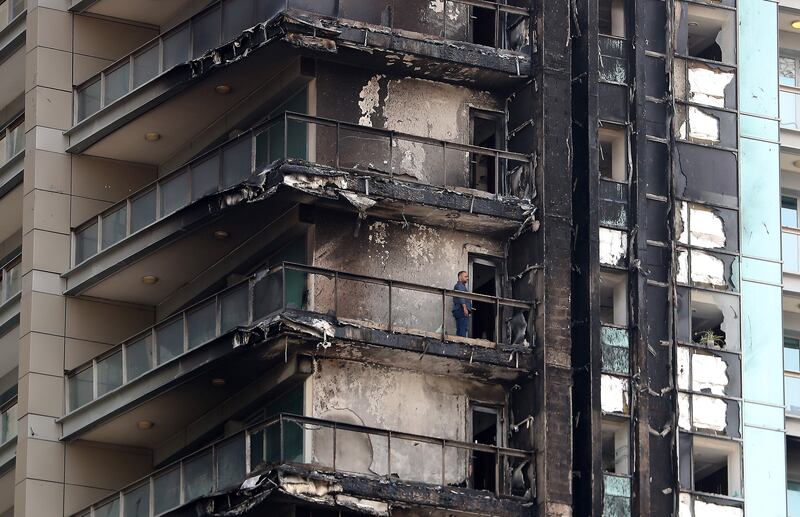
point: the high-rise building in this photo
(317, 258)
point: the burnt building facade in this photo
(232, 232)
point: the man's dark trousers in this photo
(462, 323)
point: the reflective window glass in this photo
(137, 501)
(789, 211)
(109, 373)
(114, 226)
(86, 243)
(145, 66)
(202, 324)
(110, 509)
(117, 83)
(17, 6)
(791, 354)
(167, 491)
(143, 210)
(231, 462)
(176, 47)
(139, 357)
(169, 339)
(198, 476)
(174, 193)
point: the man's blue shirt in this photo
(458, 302)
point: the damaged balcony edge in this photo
(368, 496)
(285, 175)
(318, 326)
(161, 379)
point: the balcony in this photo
(324, 446)
(506, 27)
(8, 432)
(12, 151)
(337, 309)
(10, 291)
(12, 26)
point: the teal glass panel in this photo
(617, 497)
(762, 346)
(616, 356)
(764, 472)
(757, 127)
(758, 57)
(761, 271)
(759, 193)
(793, 497)
(763, 416)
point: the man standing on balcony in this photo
(462, 307)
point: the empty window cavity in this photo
(616, 445)
(705, 32)
(612, 18)
(613, 155)
(715, 320)
(613, 298)
(711, 465)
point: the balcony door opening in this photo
(482, 26)
(486, 130)
(485, 280)
(485, 431)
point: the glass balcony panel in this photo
(115, 226)
(368, 151)
(17, 6)
(202, 324)
(266, 9)
(4, 143)
(205, 177)
(231, 462)
(790, 110)
(117, 83)
(323, 7)
(143, 210)
(145, 66)
(174, 193)
(16, 140)
(237, 15)
(169, 339)
(167, 491)
(139, 357)
(176, 48)
(81, 389)
(89, 100)
(4, 18)
(109, 509)
(791, 252)
(11, 279)
(8, 424)
(86, 243)
(267, 295)
(234, 308)
(136, 502)
(792, 391)
(236, 162)
(205, 32)
(198, 476)
(109, 373)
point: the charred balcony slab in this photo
(332, 464)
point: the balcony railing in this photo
(503, 26)
(400, 307)
(337, 144)
(790, 107)
(8, 422)
(9, 279)
(324, 445)
(792, 393)
(9, 10)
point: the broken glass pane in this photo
(616, 353)
(715, 320)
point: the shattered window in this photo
(707, 227)
(708, 372)
(709, 319)
(710, 465)
(705, 83)
(615, 394)
(709, 415)
(613, 247)
(612, 18)
(613, 153)
(616, 445)
(705, 32)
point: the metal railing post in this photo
(280, 425)
(334, 446)
(338, 144)
(444, 313)
(285, 136)
(336, 294)
(391, 326)
(496, 472)
(497, 325)
(283, 286)
(389, 453)
(444, 447)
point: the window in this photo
(791, 354)
(482, 26)
(486, 130)
(705, 32)
(9, 280)
(715, 321)
(710, 465)
(613, 298)
(613, 155)
(788, 74)
(12, 140)
(791, 239)
(485, 280)
(789, 211)
(612, 18)
(486, 430)
(616, 445)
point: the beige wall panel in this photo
(98, 466)
(41, 394)
(108, 180)
(49, 68)
(108, 39)
(104, 322)
(40, 498)
(47, 171)
(49, 28)
(41, 353)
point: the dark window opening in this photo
(484, 281)
(487, 131)
(483, 27)
(485, 426)
(706, 32)
(613, 156)
(615, 446)
(612, 18)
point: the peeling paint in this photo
(369, 100)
